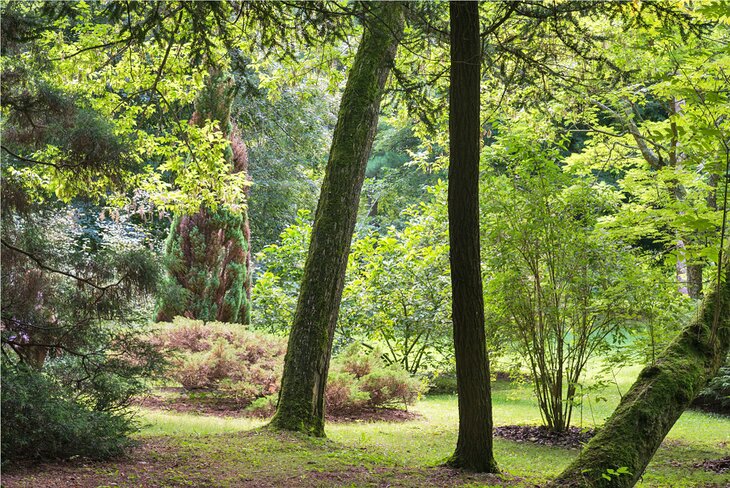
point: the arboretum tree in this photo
(663, 391)
(301, 400)
(208, 256)
(96, 102)
(398, 291)
(561, 289)
(667, 386)
(60, 158)
(543, 61)
(474, 445)
(72, 283)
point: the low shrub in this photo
(360, 379)
(358, 361)
(443, 383)
(236, 366)
(227, 359)
(75, 402)
(391, 386)
(41, 419)
(343, 394)
(187, 335)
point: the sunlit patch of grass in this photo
(157, 423)
(406, 453)
(701, 428)
(431, 439)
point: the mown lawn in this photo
(191, 450)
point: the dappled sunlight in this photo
(264, 244)
(157, 423)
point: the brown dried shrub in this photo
(244, 367)
(342, 394)
(226, 359)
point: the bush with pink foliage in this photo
(225, 359)
(242, 367)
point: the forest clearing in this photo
(365, 243)
(191, 449)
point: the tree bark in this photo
(661, 393)
(694, 280)
(301, 400)
(474, 445)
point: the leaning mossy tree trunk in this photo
(301, 400)
(207, 254)
(474, 445)
(618, 455)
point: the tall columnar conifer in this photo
(208, 256)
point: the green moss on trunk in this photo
(301, 400)
(661, 393)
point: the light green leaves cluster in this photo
(144, 91)
(201, 173)
(397, 290)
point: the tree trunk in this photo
(301, 400)
(661, 393)
(474, 445)
(694, 280)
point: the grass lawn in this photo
(191, 450)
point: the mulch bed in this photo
(374, 415)
(573, 438)
(200, 406)
(721, 465)
(219, 407)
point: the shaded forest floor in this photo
(186, 449)
(174, 400)
(257, 458)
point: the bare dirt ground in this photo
(181, 403)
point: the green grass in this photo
(197, 450)
(405, 453)
(156, 423)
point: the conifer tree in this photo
(207, 254)
(474, 445)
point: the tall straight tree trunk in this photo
(301, 400)
(661, 393)
(694, 280)
(474, 446)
